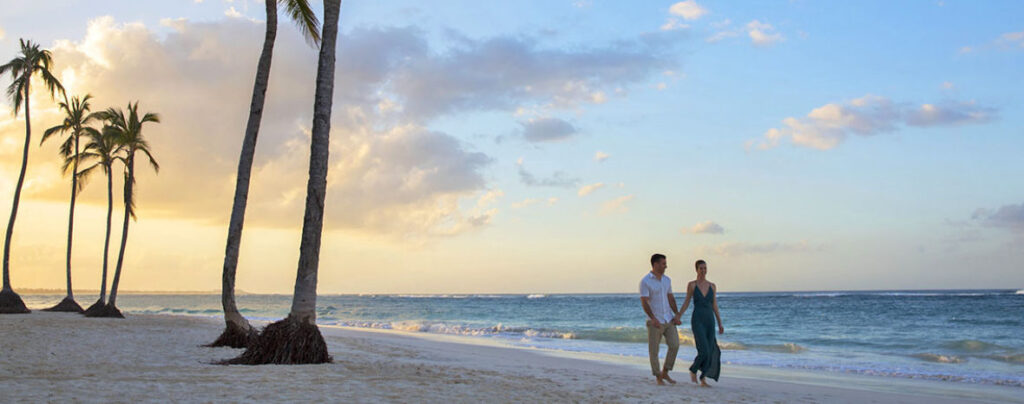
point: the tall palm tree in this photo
(77, 119)
(30, 62)
(103, 147)
(296, 339)
(127, 129)
(237, 331)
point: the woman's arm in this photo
(686, 301)
(714, 305)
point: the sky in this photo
(546, 146)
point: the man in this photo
(660, 306)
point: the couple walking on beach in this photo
(663, 317)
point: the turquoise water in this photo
(968, 336)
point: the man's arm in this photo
(645, 301)
(675, 310)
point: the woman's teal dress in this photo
(703, 325)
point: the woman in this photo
(705, 312)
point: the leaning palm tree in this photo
(127, 129)
(77, 119)
(237, 331)
(104, 149)
(296, 339)
(30, 62)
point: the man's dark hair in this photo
(697, 264)
(656, 257)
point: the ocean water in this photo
(963, 336)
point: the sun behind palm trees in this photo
(31, 62)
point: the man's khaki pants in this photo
(654, 335)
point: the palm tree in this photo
(237, 331)
(296, 339)
(32, 61)
(76, 123)
(127, 129)
(105, 150)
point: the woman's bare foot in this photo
(693, 377)
(660, 382)
(704, 383)
(664, 376)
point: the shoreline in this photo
(66, 357)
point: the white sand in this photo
(59, 357)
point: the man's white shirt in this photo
(657, 291)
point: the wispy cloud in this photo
(1007, 216)
(688, 9)
(763, 34)
(617, 205)
(827, 126)
(547, 130)
(601, 156)
(558, 179)
(708, 227)
(588, 189)
(733, 249)
(1012, 40)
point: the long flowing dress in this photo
(708, 360)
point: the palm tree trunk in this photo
(304, 299)
(100, 305)
(10, 302)
(69, 304)
(112, 310)
(106, 239)
(238, 332)
(297, 339)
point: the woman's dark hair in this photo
(697, 264)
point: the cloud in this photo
(524, 203)
(386, 177)
(587, 189)
(673, 24)
(734, 249)
(948, 85)
(547, 130)
(1012, 39)
(762, 34)
(708, 227)
(505, 73)
(1008, 217)
(617, 205)
(600, 156)
(2, 34)
(719, 36)
(232, 13)
(558, 179)
(827, 126)
(688, 9)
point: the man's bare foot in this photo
(693, 377)
(664, 376)
(660, 382)
(704, 383)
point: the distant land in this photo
(124, 292)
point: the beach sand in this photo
(62, 357)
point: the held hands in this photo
(676, 321)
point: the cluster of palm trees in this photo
(295, 339)
(118, 140)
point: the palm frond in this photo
(304, 17)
